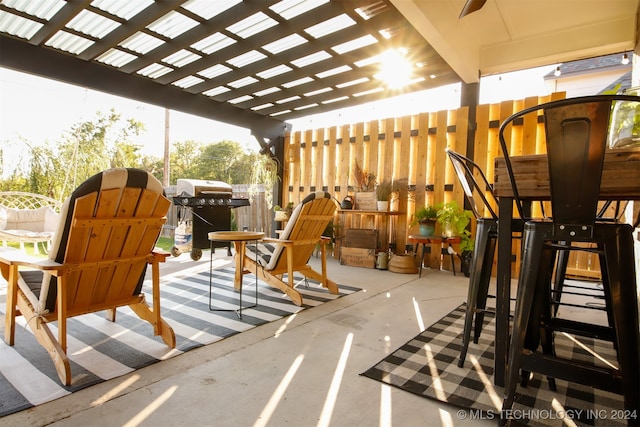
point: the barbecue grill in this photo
(207, 205)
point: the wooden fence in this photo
(410, 148)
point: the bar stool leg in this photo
(484, 249)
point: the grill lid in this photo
(201, 187)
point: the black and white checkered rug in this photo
(100, 350)
(427, 366)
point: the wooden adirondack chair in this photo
(109, 227)
(292, 250)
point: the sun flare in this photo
(395, 69)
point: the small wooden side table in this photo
(419, 239)
(239, 239)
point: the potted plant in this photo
(454, 221)
(383, 194)
(624, 130)
(364, 186)
(283, 214)
(426, 217)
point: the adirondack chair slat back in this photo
(308, 226)
(111, 225)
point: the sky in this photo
(38, 110)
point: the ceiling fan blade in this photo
(471, 6)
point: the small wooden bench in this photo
(28, 217)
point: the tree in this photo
(93, 146)
(86, 149)
(183, 160)
(220, 161)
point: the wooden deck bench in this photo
(28, 217)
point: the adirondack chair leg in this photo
(160, 326)
(272, 280)
(312, 274)
(62, 313)
(45, 337)
(10, 316)
(290, 265)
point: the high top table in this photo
(419, 239)
(620, 181)
(239, 239)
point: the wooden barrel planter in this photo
(403, 264)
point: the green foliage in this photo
(88, 147)
(624, 126)
(183, 160)
(55, 169)
(451, 215)
(424, 213)
(280, 208)
(219, 161)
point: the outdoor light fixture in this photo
(625, 59)
(557, 72)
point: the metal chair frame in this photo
(576, 138)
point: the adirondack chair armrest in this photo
(273, 240)
(51, 267)
(20, 259)
(160, 254)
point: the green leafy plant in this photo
(455, 220)
(425, 213)
(289, 208)
(624, 128)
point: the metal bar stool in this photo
(576, 139)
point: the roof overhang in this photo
(507, 35)
(254, 64)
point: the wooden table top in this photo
(233, 236)
(620, 176)
(436, 238)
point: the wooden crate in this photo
(358, 257)
(366, 201)
(361, 238)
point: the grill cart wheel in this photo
(196, 254)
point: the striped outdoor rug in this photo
(100, 350)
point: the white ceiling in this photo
(509, 35)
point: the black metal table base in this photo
(238, 310)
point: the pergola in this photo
(259, 63)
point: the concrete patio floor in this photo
(299, 371)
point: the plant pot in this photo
(281, 216)
(447, 229)
(427, 228)
(383, 205)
